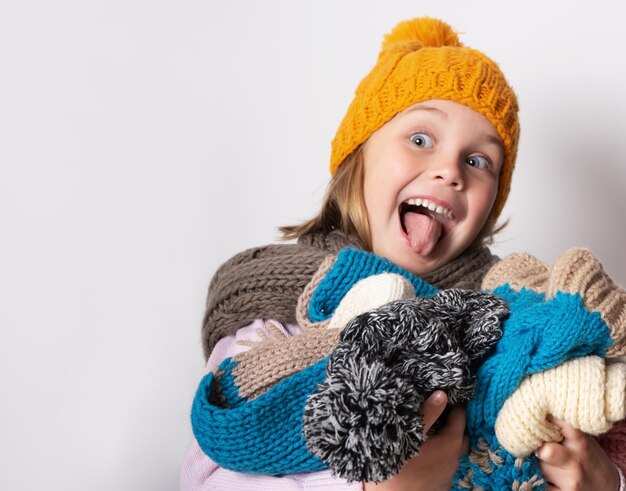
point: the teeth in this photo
(431, 206)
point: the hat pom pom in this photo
(422, 32)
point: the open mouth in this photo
(422, 221)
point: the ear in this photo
(518, 271)
(477, 318)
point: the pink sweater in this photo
(200, 473)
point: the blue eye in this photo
(477, 161)
(421, 140)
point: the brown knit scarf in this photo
(265, 282)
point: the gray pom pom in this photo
(364, 422)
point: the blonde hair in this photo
(343, 208)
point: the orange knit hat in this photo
(423, 59)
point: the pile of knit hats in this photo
(560, 354)
(356, 411)
(346, 395)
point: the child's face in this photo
(439, 151)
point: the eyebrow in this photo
(491, 138)
(430, 109)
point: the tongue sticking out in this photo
(423, 231)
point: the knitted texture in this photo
(370, 293)
(576, 271)
(365, 420)
(266, 282)
(279, 357)
(350, 267)
(302, 307)
(518, 270)
(263, 435)
(545, 330)
(466, 272)
(540, 334)
(220, 401)
(584, 392)
(256, 283)
(423, 59)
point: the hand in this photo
(577, 463)
(434, 467)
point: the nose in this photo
(449, 170)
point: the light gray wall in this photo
(144, 142)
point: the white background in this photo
(144, 142)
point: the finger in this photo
(553, 454)
(433, 407)
(465, 447)
(556, 476)
(455, 424)
(567, 430)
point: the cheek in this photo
(373, 208)
(368, 194)
(493, 192)
(375, 190)
(376, 211)
(483, 203)
(380, 195)
(489, 198)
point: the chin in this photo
(402, 255)
(419, 265)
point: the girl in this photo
(421, 168)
